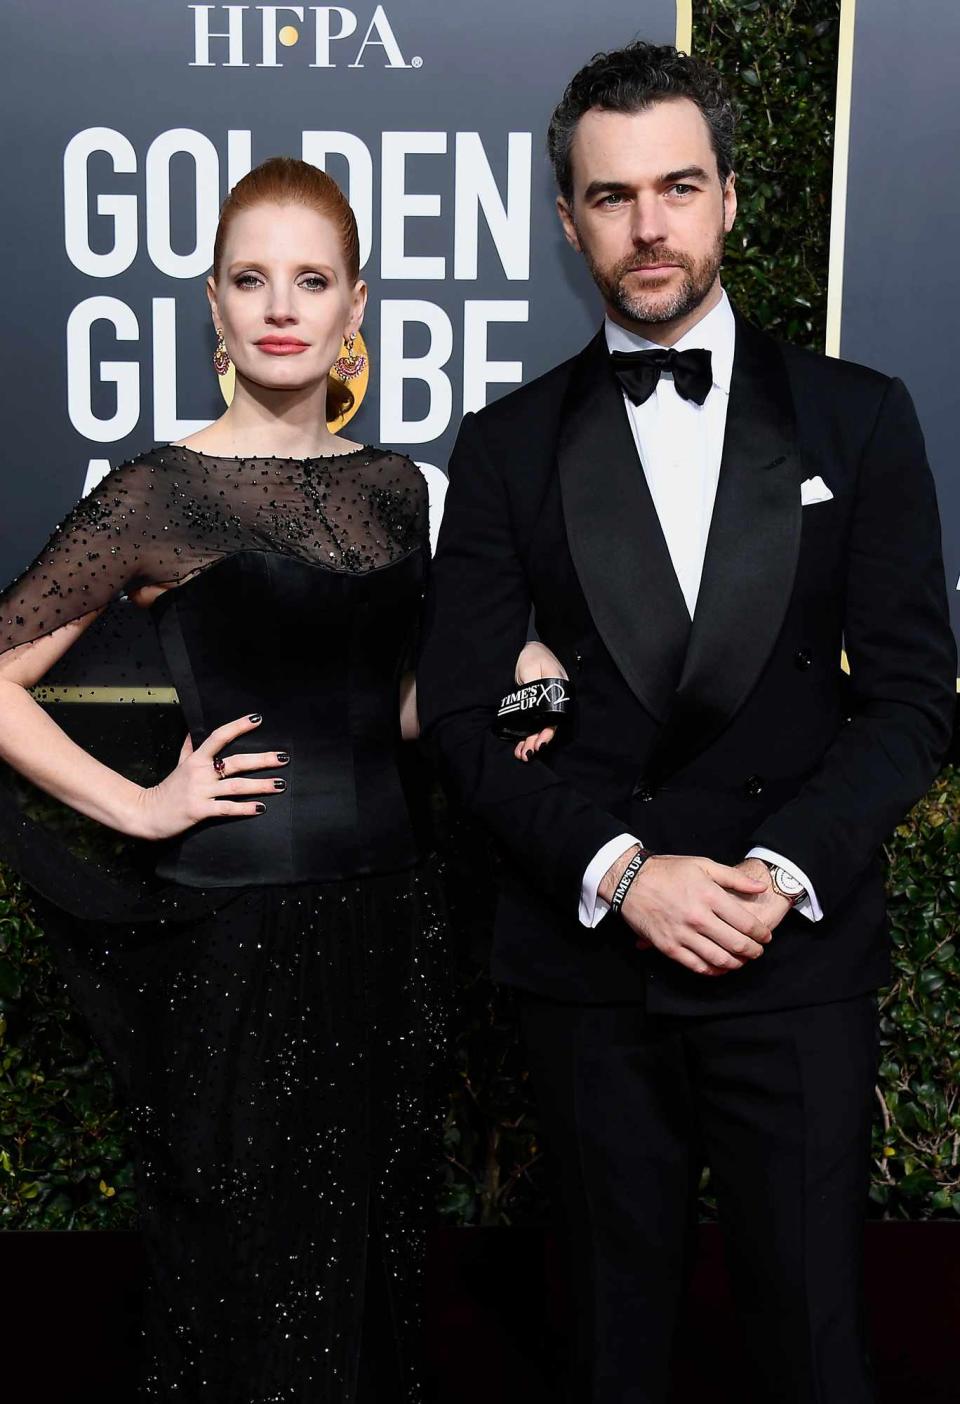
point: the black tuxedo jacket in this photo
(739, 728)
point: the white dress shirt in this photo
(680, 444)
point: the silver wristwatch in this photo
(785, 884)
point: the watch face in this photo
(786, 883)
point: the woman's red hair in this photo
(283, 180)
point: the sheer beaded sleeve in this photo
(91, 556)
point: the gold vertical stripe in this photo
(104, 694)
(841, 152)
(685, 25)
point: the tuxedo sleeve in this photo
(902, 658)
(477, 612)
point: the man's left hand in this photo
(770, 907)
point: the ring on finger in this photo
(220, 766)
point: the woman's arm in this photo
(115, 539)
(35, 746)
(409, 722)
(534, 661)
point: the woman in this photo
(263, 990)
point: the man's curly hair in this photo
(631, 79)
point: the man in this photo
(699, 535)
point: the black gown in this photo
(266, 990)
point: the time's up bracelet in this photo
(626, 881)
(532, 706)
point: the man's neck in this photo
(668, 333)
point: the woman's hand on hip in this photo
(207, 785)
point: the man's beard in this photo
(653, 306)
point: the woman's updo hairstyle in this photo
(283, 180)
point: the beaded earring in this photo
(221, 357)
(347, 366)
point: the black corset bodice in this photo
(319, 654)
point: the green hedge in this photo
(917, 1140)
(64, 1153)
(64, 1157)
(781, 58)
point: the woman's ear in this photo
(358, 304)
(212, 299)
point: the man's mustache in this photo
(665, 259)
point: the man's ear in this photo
(730, 202)
(569, 228)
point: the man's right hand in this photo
(689, 910)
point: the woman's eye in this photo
(248, 280)
(313, 282)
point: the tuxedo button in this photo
(753, 787)
(643, 791)
(802, 659)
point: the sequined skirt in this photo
(279, 1060)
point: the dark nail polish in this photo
(282, 757)
(255, 717)
(279, 784)
(527, 755)
(261, 809)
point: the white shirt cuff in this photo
(592, 906)
(808, 906)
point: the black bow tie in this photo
(639, 371)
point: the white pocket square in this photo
(814, 490)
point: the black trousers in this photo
(779, 1106)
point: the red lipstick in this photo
(281, 345)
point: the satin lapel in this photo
(751, 556)
(614, 534)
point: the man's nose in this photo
(649, 225)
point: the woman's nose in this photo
(280, 310)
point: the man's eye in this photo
(612, 198)
(682, 189)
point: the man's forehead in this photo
(668, 135)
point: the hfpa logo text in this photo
(244, 42)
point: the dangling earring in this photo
(348, 367)
(221, 357)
